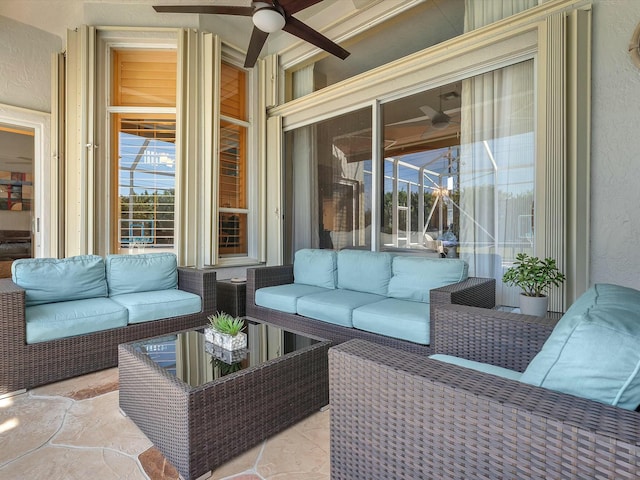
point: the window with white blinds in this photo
(232, 180)
(143, 149)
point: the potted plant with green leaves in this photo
(533, 276)
(225, 331)
(224, 367)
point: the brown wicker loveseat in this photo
(24, 365)
(403, 416)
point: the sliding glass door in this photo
(328, 188)
(455, 174)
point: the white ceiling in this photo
(430, 22)
(17, 150)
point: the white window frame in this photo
(235, 57)
(110, 110)
(88, 202)
(549, 33)
(108, 39)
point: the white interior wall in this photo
(25, 65)
(615, 154)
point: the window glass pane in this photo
(233, 166)
(232, 230)
(233, 92)
(146, 169)
(328, 187)
(232, 190)
(144, 78)
(497, 172)
(459, 172)
(425, 25)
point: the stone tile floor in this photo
(74, 430)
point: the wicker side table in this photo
(232, 297)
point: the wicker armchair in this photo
(23, 366)
(402, 416)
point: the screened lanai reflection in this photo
(459, 172)
(455, 175)
(328, 173)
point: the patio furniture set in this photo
(503, 395)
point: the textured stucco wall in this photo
(25, 65)
(615, 156)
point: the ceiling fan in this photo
(438, 119)
(268, 17)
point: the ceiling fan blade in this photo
(308, 34)
(428, 111)
(294, 6)
(206, 9)
(409, 121)
(258, 38)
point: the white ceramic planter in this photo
(536, 306)
(227, 356)
(224, 340)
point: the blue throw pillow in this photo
(594, 350)
(146, 272)
(48, 280)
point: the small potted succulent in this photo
(224, 330)
(224, 367)
(534, 276)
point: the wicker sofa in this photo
(26, 363)
(403, 416)
(407, 283)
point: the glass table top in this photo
(196, 362)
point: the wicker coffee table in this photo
(201, 408)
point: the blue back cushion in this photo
(141, 273)
(364, 271)
(594, 350)
(414, 277)
(48, 280)
(315, 267)
(478, 366)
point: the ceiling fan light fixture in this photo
(268, 19)
(440, 121)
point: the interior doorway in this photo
(25, 230)
(16, 195)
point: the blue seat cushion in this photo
(312, 266)
(48, 280)
(141, 273)
(478, 366)
(76, 317)
(285, 297)
(414, 277)
(334, 306)
(364, 271)
(395, 318)
(594, 350)
(147, 306)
